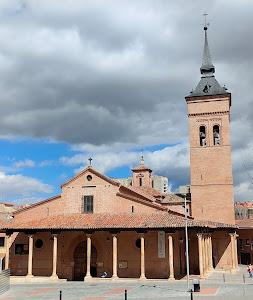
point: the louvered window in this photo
(87, 205)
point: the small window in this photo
(89, 177)
(2, 241)
(247, 242)
(132, 208)
(216, 135)
(140, 181)
(38, 244)
(21, 249)
(202, 136)
(87, 205)
(138, 243)
(241, 244)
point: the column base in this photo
(142, 278)
(114, 278)
(28, 278)
(171, 279)
(54, 278)
(88, 278)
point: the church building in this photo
(98, 225)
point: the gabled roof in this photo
(141, 167)
(107, 221)
(24, 208)
(90, 169)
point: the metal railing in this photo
(4, 281)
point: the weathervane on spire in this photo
(206, 24)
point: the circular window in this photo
(38, 243)
(89, 177)
(138, 243)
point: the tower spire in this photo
(207, 68)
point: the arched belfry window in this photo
(216, 135)
(202, 136)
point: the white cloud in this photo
(23, 164)
(21, 186)
(23, 201)
(172, 162)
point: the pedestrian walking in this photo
(249, 270)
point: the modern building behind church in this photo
(98, 224)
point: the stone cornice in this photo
(215, 113)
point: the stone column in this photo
(171, 259)
(232, 242)
(54, 276)
(88, 276)
(236, 251)
(201, 267)
(210, 252)
(142, 277)
(206, 253)
(7, 255)
(203, 254)
(114, 257)
(30, 258)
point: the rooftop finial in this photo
(207, 68)
(142, 159)
(90, 159)
(206, 24)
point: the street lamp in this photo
(186, 244)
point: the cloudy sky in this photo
(108, 78)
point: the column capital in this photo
(88, 235)
(233, 234)
(170, 234)
(30, 235)
(199, 234)
(142, 234)
(54, 235)
(114, 234)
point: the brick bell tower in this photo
(209, 104)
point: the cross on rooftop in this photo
(206, 24)
(90, 159)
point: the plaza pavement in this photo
(214, 287)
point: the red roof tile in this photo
(103, 221)
(141, 168)
(247, 223)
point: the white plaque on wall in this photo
(161, 244)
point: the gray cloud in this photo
(116, 73)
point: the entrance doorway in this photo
(80, 259)
(245, 258)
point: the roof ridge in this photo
(36, 204)
(94, 172)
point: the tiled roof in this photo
(106, 221)
(140, 167)
(141, 192)
(247, 223)
(173, 198)
(150, 191)
(142, 201)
